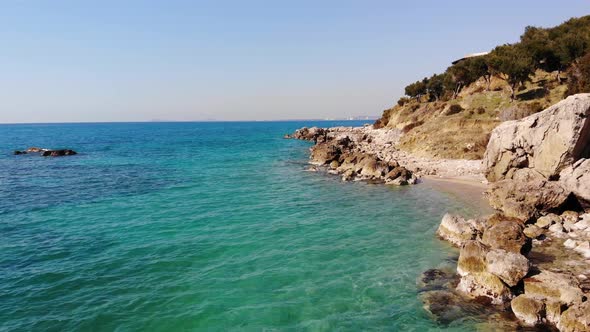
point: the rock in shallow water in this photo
(506, 235)
(528, 309)
(456, 229)
(486, 285)
(509, 266)
(47, 152)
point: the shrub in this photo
(412, 125)
(403, 100)
(454, 109)
(481, 110)
(534, 107)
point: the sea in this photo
(207, 226)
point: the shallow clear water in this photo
(205, 226)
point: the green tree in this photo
(435, 86)
(542, 49)
(578, 76)
(479, 68)
(416, 89)
(513, 64)
(461, 75)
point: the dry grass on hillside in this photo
(441, 129)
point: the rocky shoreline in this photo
(530, 261)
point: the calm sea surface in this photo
(205, 226)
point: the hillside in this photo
(440, 129)
(451, 115)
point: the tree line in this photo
(564, 48)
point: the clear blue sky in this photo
(239, 60)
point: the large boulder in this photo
(314, 134)
(456, 229)
(506, 235)
(528, 309)
(576, 179)
(324, 153)
(472, 258)
(547, 141)
(509, 266)
(527, 195)
(485, 285)
(560, 287)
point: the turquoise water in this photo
(205, 226)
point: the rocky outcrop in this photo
(490, 260)
(341, 153)
(47, 152)
(383, 145)
(493, 265)
(58, 153)
(488, 272)
(539, 169)
(547, 141)
(313, 134)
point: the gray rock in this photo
(509, 266)
(526, 197)
(547, 141)
(576, 179)
(456, 230)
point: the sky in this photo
(100, 61)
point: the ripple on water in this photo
(205, 227)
